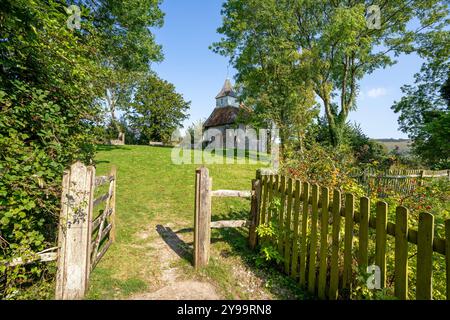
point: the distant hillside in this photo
(391, 144)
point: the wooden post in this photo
(74, 238)
(334, 262)
(364, 216)
(202, 223)
(113, 204)
(447, 255)
(381, 238)
(348, 240)
(303, 243)
(422, 173)
(313, 239)
(401, 253)
(322, 282)
(295, 237)
(255, 212)
(424, 269)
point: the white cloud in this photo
(377, 92)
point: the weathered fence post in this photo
(425, 238)
(447, 255)
(202, 223)
(74, 238)
(255, 211)
(422, 173)
(113, 204)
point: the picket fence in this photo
(324, 237)
(398, 180)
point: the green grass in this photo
(151, 191)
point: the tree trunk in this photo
(283, 138)
(112, 109)
(334, 125)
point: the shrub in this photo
(47, 93)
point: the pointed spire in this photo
(227, 90)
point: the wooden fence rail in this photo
(403, 181)
(77, 252)
(318, 229)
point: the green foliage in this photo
(195, 130)
(360, 290)
(126, 46)
(321, 45)
(271, 80)
(424, 112)
(47, 105)
(157, 110)
(364, 149)
(266, 230)
(324, 165)
(51, 80)
(269, 233)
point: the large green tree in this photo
(424, 110)
(50, 77)
(157, 110)
(127, 45)
(336, 44)
(269, 72)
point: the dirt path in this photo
(152, 256)
(175, 282)
(173, 286)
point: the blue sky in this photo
(198, 73)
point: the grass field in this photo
(153, 249)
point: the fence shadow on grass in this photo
(280, 285)
(181, 248)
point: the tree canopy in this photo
(53, 82)
(322, 43)
(157, 110)
(424, 110)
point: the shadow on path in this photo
(181, 248)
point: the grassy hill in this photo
(155, 215)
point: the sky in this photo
(198, 73)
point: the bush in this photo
(323, 165)
(363, 149)
(47, 93)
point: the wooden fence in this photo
(202, 214)
(87, 228)
(402, 181)
(317, 231)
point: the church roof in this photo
(227, 90)
(222, 116)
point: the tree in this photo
(425, 109)
(269, 73)
(336, 47)
(157, 110)
(445, 90)
(195, 130)
(127, 45)
(49, 82)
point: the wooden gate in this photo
(85, 231)
(203, 224)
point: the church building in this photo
(225, 114)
